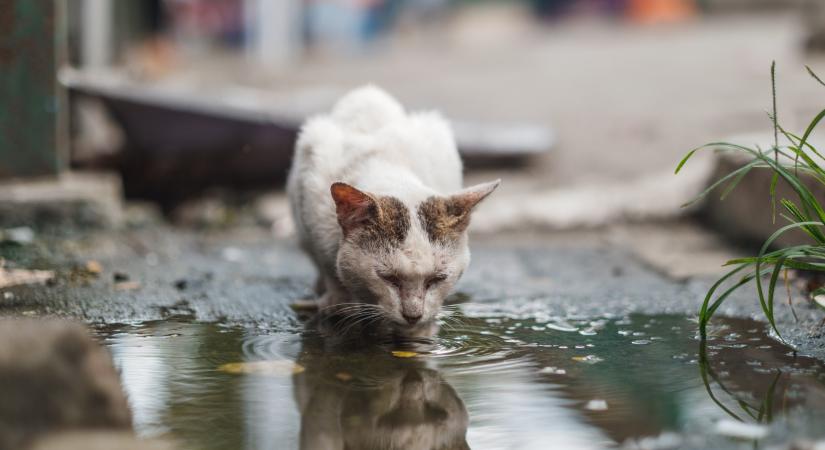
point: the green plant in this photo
(789, 162)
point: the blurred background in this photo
(124, 116)
(583, 107)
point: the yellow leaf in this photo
(127, 286)
(94, 267)
(403, 354)
(589, 359)
(343, 376)
(282, 367)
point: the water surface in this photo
(494, 381)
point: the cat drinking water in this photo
(378, 205)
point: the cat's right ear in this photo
(353, 207)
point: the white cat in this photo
(377, 202)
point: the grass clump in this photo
(790, 158)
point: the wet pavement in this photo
(579, 339)
(245, 276)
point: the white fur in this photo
(368, 141)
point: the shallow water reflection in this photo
(488, 382)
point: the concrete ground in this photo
(245, 275)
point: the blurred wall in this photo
(32, 119)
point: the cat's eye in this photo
(432, 281)
(391, 279)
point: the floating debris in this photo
(120, 276)
(596, 405)
(17, 277)
(93, 267)
(553, 371)
(304, 305)
(665, 441)
(19, 235)
(589, 359)
(404, 354)
(127, 286)
(740, 430)
(276, 367)
(343, 376)
(561, 326)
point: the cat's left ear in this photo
(468, 198)
(354, 208)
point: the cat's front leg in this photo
(328, 293)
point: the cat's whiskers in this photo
(350, 315)
(448, 317)
(367, 317)
(348, 306)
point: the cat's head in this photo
(404, 258)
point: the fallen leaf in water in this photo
(16, 277)
(94, 267)
(403, 354)
(343, 376)
(589, 359)
(282, 367)
(127, 286)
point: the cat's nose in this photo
(412, 319)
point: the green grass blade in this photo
(777, 269)
(811, 73)
(811, 127)
(736, 174)
(767, 304)
(812, 231)
(774, 180)
(732, 185)
(797, 141)
(704, 315)
(774, 116)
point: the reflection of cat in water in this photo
(372, 400)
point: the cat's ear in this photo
(446, 218)
(353, 207)
(465, 200)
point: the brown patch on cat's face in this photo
(369, 220)
(388, 226)
(444, 219)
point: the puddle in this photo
(496, 382)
